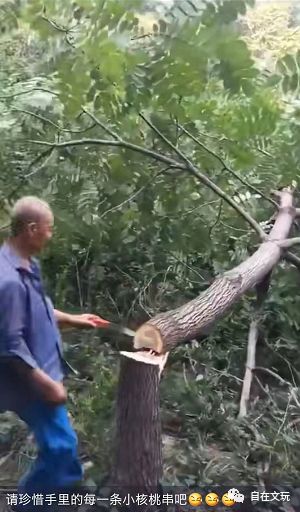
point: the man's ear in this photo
(32, 227)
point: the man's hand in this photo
(51, 391)
(86, 320)
(83, 321)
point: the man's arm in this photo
(13, 323)
(64, 320)
(81, 321)
(13, 347)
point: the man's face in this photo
(40, 232)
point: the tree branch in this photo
(27, 92)
(37, 159)
(250, 365)
(105, 128)
(206, 181)
(116, 143)
(42, 155)
(232, 141)
(35, 171)
(46, 120)
(61, 28)
(135, 194)
(217, 219)
(289, 242)
(227, 168)
(292, 258)
(161, 158)
(58, 27)
(293, 390)
(275, 375)
(262, 289)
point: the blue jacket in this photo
(28, 329)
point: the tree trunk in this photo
(138, 464)
(138, 439)
(138, 446)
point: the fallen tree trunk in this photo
(138, 439)
(166, 330)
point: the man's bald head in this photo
(27, 210)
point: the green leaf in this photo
(286, 84)
(274, 80)
(290, 63)
(294, 82)
(248, 87)
(280, 67)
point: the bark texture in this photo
(138, 438)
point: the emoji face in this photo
(212, 499)
(195, 499)
(228, 502)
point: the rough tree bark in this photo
(138, 443)
(138, 439)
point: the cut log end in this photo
(148, 336)
(143, 356)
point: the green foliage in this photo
(288, 68)
(134, 238)
(93, 407)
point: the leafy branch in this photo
(21, 93)
(46, 120)
(42, 156)
(60, 28)
(102, 125)
(134, 195)
(292, 258)
(206, 181)
(187, 165)
(161, 158)
(226, 167)
(232, 141)
(115, 143)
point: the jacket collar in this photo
(17, 261)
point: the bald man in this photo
(32, 366)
